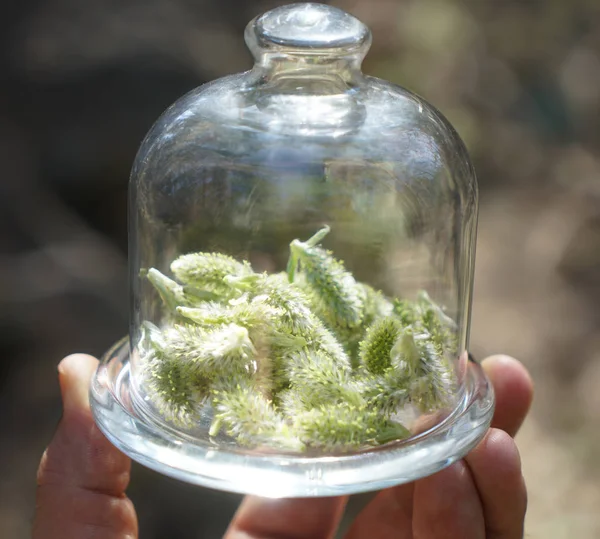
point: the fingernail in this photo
(75, 373)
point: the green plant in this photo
(309, 358)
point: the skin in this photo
(82, 480)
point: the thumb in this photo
(82, 477)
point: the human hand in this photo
(82, 480)
(483, 496)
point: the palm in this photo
(82, 481)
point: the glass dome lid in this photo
(301, 263)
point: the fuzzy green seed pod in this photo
(441, 337)
(317, 379)
(339, 426)
(339, 299)
(344, 426)
(175, 391)
(375, 349)
(431, 375)
(296, 315)
(250, 418)
(151, 342)
(207, 271)
(406, 311)
(256, 314)
(292, 402)
(221, 352)
(322, 340)
(376, 307)
(296, 318)
(295, 326)
(388, 393)
(170, 292)
(440, 327)
(300, 320)
(310, 358)
(424, 302)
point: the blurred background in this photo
(82, 82)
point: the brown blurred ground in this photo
(81, 82)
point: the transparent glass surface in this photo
(301, 264)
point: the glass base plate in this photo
(278, 476)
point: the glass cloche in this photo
(301, 264)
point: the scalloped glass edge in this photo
(283, 476)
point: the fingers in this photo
(489, 502)
(74, 374)
(484, 495)
(496, 469)
(80, 455)
(447, 505)
(305, 518)
(71, 513)
(82, 477)
(388, 515)
(514, 392)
